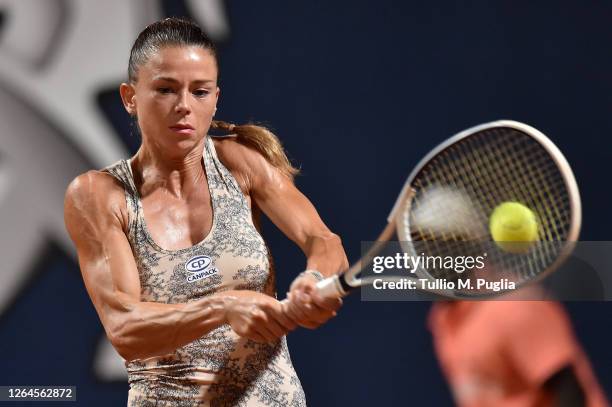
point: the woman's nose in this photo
(182, 104)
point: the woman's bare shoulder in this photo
(96, 194)
(235, 154)
(241, 160)
(94, 184)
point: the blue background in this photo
(359, 91)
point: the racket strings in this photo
(460, 187)
(528, 188)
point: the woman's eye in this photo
(164, 90)
(200, 92)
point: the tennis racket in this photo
(445, 206)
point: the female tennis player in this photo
(169, 244)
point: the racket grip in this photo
(331, 288)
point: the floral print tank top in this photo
(220, 368)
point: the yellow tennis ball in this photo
(514, 227)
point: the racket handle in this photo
(331, 288)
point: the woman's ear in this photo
(128, 97)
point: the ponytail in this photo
(262, 140)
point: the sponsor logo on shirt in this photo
(199, 267)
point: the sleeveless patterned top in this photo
(220, 368)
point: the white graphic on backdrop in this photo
(55, 57)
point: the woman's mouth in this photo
(182, 129)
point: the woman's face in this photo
(174, 97)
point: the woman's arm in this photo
(296, 217)
(285, 205)
(144, 329)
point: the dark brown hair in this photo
(181, 32)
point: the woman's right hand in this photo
(257, 316)
(306, 306)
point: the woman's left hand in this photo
(306, 307)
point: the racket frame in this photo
(340, 285)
